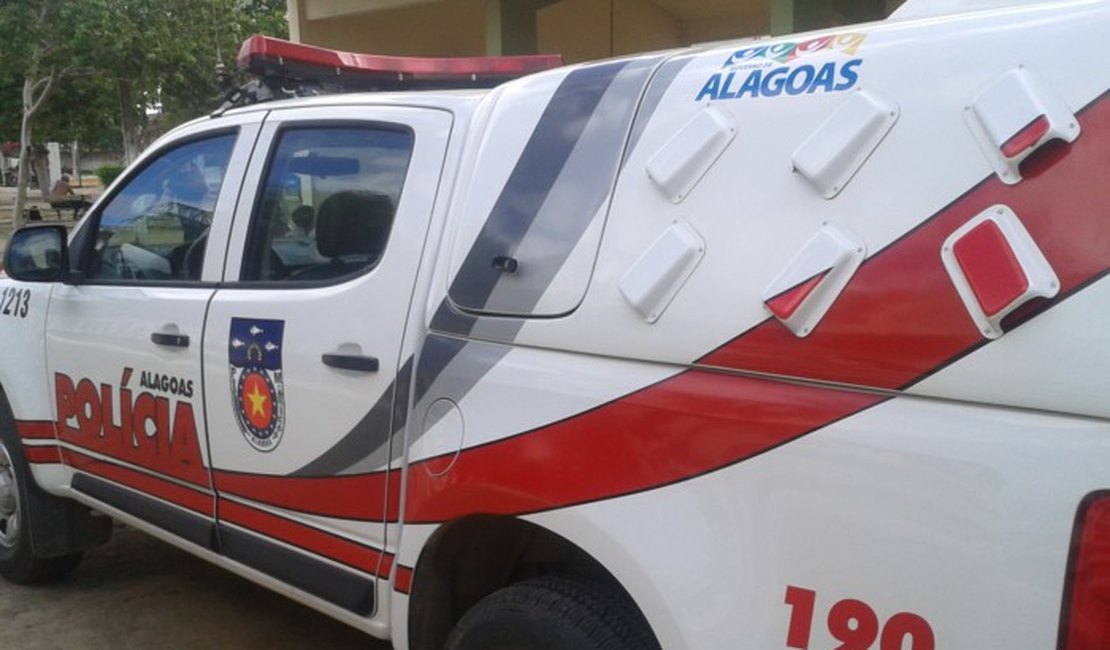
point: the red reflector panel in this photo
(1085, 624)
(1026, 138)
(991, 267)
(786, 303)
(267, 56)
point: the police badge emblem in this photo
(257, 391)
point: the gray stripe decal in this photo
(546, 236)
(447, 368)
(659, 85)
(495, 234)
(368, 441)
(447, 319)
(350, 455)
(540, 164)
(543, 157)
(468, 360)
(578, 196)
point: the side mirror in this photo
(37, 254)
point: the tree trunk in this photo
(129, 123)
(35, 90)
(24, 161)
(75, 163)
(40, 162)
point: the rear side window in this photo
(327, 203)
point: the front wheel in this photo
(552, 613)
(17, 561)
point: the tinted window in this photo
(327, 203)
(156, 227)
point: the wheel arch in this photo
(456, 569)
(58, 526)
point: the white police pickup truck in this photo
(787, 343)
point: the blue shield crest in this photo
(257, 391)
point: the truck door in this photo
(303, 342)
(123, 341)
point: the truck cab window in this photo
(156, 226)
(327, 203)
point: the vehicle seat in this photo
(352, 228)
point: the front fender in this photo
(23, 375)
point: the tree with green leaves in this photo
(162, 54)
(81, 65)
(45, 56)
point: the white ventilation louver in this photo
(804, 291)
(654, 279)
(996, 267)
(1013, 117)
(832, 154)
(678, 166)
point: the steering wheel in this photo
(193, 259)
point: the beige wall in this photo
(581, 30)
(317, 9)
(447, 28)
(577, 29)
(639, 26)
(749, 20)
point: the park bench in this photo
(77, 203)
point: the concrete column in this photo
(293, 10)
(789, 16)
(493, 27)
(54, 163)
(782, 16)
(511, 26)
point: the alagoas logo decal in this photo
(257, 392)
(752, 72)
(151, 424)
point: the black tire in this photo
(18, 562)
(552, 613)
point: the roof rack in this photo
(286, 69)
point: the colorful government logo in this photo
(257, 392)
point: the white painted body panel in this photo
(707, 460)
(898, 507)
(23, 375)
(755, 215)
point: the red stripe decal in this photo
(42, 455)
(991, 267)
(195, 500)
(360, 497)
(688, 425)
(900, 318)
(355, 555)
(402, 582)
(786, 303)
(386, 566)
(35, 429)
(1027, 137)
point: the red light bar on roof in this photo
(274, 58)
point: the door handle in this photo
(170, 340)
(356, 362)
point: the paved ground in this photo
(138, 593)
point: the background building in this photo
(578, 29)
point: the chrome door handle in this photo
(170, 340)
(356, 362)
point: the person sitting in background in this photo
(60, 199)
(62, 189)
